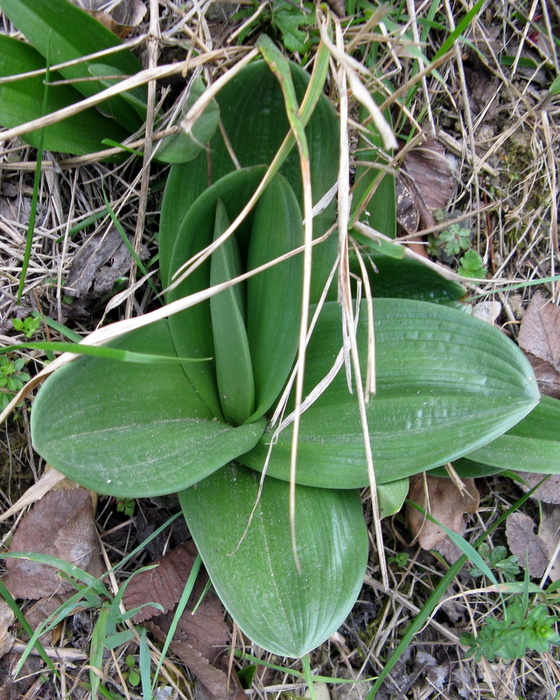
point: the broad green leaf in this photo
(62, 32)
(192, 329)
(183, 147)
(533, 445)
(447, 384)
(234, 370)
(253, 116)
(408, 279)
(23, 100)
(121, 429)
(274, 296)
(283, 610)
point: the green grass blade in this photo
(5, 593)
(459, 29)
(34, 196)
(103, 352)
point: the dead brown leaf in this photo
(529, 548)
(200, 638)
(549, 492)
(425, 183)
(549, 532)
(121, 19)
(163, 585)
(61, 524)
(444, 501)
(539, 337)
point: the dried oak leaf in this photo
(526, 544)
(61, 524)
(444, 501)
(200, 638)
(549, 532)
(424, 184)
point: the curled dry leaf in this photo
(425, 183)
(444, 501)
(526, 545)
(61, 524)
(539, 337)
(121, 19)
(200, 638)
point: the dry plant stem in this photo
(153, 52)
(345, 294)
(411, 7)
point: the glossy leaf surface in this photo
(447, 384)
(126, 430)
(282, 610)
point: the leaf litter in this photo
(202, 634)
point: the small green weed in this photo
(126, 506)
(28, 326)
(522, 628)
(498, 560)
(472, 265)
(12, 379)
(451, 241)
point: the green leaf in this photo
(234, 371)
(274, 296)
(192, 329)
(62, 32)
(120, 429)
(447, 384)
(533, 445)
(253, 116)
(283, 610)
(408, 279)
(392, 497)
(183, 147)
(23, 100)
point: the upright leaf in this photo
(192, 328)
(285, 611)
(234, 371)
(274, 296)
(253, 116)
